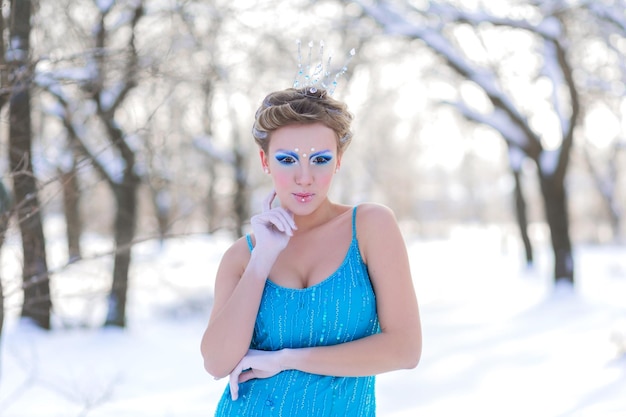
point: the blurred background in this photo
(130, 121)
(494, 129)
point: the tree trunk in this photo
(211, 196)
(5, 215)
(607, 188)
(162, 206)
(5, 201)
(71, 208)
(125, 196)
(240, 200)
(522, 218)
(1, 309)
(37, 303)
(555, 199)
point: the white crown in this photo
(312, 77)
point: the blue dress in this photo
(339, 309)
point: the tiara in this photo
(310, 77)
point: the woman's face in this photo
(302, 160)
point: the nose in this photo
(304, 176)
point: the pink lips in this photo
(303, 197)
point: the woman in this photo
(319, 298)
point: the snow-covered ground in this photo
(498, 338)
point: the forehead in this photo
(304, 136)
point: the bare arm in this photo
(238, 289)
(398, 345)
(237, 298)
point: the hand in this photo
(273, 227)
(256, 364)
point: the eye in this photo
(286, 159)
(321, 159)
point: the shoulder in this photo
(373, 216)
(236, 256)
(376, 226)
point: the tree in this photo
(439, 26)
(71, 208)
(604, 77)
(104, 87)
(5, 214)
(37, 303)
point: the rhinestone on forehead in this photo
(303, 155)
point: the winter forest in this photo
(495, 130)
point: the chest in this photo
(340, 309)
(309, 260)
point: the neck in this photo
(321, 215)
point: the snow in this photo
(553, 71)
(499, 120)
(105, 5)
(549, 161)
(108, 97)
(550, 28)
(516, 158)
(499, 339)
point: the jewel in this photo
(311, 74)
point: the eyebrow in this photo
(287, 152)
(297, 156)
(325, 151)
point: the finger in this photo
(267, 203)
(234, 383)
(290, 218)
(247, 376)
(287, 217)
(281, 221)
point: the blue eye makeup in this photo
(321, 158)
(287, 158)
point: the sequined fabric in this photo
(339, 309)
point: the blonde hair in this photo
(302, 106)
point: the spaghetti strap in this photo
(249, 239)
(354, 222)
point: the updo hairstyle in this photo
(302, 106)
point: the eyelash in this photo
(286, 159)
(317, 160)
(321, 159)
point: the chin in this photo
(302, 209)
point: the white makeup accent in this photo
(304, 155)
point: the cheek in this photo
(325, 177)
(284, 177)
(281, 176)
(282, 181)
